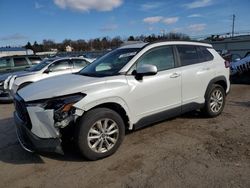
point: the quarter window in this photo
(161, 57)
(18, 62)
(35, 60)
(205, 55)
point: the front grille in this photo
(22, 111)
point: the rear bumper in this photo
(32, 143)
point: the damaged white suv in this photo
(130, 87)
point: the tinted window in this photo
(20, 61)
(78, 63)
(205, 55)
(188, 55)
(4, 63)
(161, 57)
(60, 65)
(35, 60)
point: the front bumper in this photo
(33, 143)
(5, 96)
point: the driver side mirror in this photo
(145, 70)
(47, 71)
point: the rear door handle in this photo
(175, 75)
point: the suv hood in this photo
(59, 86)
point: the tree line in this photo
(97, 44)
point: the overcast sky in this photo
(35, 20)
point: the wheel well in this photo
(222, 83)
(117, 108)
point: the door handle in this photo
(174, 75)
(206, 69)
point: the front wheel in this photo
(99, 133)
(215, 101)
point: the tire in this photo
(214, 101)
(90, 132)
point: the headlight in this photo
(62, 106)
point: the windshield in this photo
(110, 64)
(40, 66)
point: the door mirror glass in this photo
(146, 70)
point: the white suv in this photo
(130, 87)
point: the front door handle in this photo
(175, 75)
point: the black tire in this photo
(208, 111)
(87, 122)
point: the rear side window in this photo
(60, 66)
(35, 60)
(161, 57)
(78, 63)
(204, 54)
(188, 55)
(20, 61)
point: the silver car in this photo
(46, 69)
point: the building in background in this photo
(10, 51)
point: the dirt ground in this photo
(188, 151)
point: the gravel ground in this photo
(187, 151)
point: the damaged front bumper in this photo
(32, 143)
(39, 126)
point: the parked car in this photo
(47, 68)
(240, 66)
(14, 65)
(128, 88)
(17, 63)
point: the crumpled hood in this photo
(59, 86)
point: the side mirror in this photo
(47, 71)
(145, 70)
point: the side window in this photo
(161, 57)
(20, 61)
(5, 63)
(204, 54)
(78, 63)
(35, 60)
(188, 55)
(60, 66)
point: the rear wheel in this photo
(215, 101)
(99, 133)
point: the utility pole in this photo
(233, 25)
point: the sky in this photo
(35, 20)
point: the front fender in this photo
(86, 106)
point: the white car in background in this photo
(46, 69)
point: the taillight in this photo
(227, 64)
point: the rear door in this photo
(196, 71)
(158, 93)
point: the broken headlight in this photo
(62, 106)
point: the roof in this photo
(136, 45)
(167, 42)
